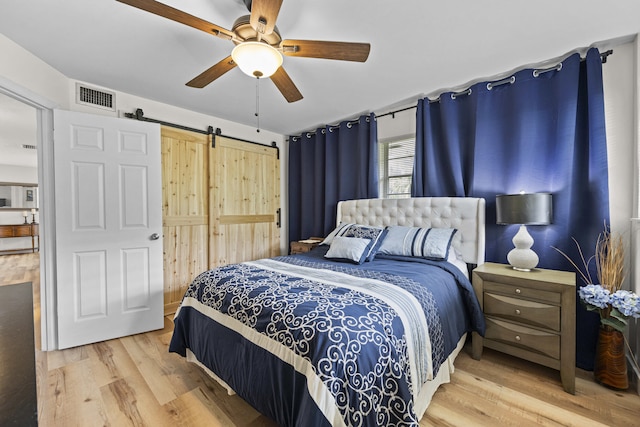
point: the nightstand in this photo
(531, 315)
(302, 246)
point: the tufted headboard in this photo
(464, 213)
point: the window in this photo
(396, 166)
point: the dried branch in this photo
(586, 276)
(610, 260)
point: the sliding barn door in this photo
(185, 210)
(245, 202)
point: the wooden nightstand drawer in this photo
(529, 339)
(523, 292)
(523, 311)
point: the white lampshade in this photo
(257, 59)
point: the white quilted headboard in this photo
(464, 213)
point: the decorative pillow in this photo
(430, 243)
(339, 229)
(352, 249)
(376, 234)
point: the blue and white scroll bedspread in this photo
(311, 342)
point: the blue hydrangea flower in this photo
(595, 295)
(626, 302)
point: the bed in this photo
(359, 339)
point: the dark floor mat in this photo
(18, 405)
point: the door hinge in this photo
(279, 220)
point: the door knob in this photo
(154, 236)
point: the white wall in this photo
(618, 78)
(127, 103)
(620, 75)
(21, 174)
(397, 125)
(634, 326)
(20, 67)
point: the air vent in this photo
(96, 98)
(29, 147)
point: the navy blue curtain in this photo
(543, 133)
(333, 163)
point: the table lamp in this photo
(524, 209)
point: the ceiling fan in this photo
(259, 46)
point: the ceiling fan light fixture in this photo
(257, 59)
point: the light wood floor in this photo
(134, 381)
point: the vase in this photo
(610, 367)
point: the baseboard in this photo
(634, 374)
(170, 309)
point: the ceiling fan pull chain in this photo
(258, 103)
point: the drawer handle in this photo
(517, 311)
(518, 338)
(518, 291)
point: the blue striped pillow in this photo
(430, 243)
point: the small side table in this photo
(302, 246)
(530, 315)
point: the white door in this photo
(108, 215)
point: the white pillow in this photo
(455, 258)
(352, 249)
(376, 234)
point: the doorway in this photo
(19, 215)
(19, 278)
(42, 126)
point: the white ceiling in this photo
(417, 48)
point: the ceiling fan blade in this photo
(343, 51)
(212, 73)
(176, 15)
(286, 86)
(264, 14)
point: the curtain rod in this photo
(350, 124)
(508, 80)
(393, 113)
(603, 58)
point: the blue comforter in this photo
(307, 341)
